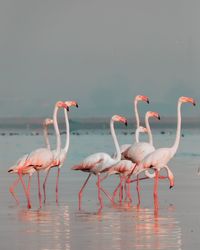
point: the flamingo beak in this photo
(158, 117)
(126, 123)
(77, 105)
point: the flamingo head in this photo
(60, 104)
(153, 114)
(142, 129)
(48, 121)
(183, 99)
(71, 103)
(142, 98)
(119, 118)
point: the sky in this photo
(99, 52)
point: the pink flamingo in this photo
(63, 152)
(159, 158)
(138, 98)
(29, 170)
(96, 163)
(46, 123)
(139, 150)
(41, 158)
(123, 168)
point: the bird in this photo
(42, 158)
(97, 162)
(139, 150)
(46, 123)
(63, 151)
(29, 170)
(159, 158)
(138, 98)
(123, 168)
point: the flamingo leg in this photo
(104, 191)
(12, 190)
(81, 191)
(146, 178)
(121, 189)
(44, 184)
(156, 189)
(99, 191)
(138, 190)
(129, 192)
(39, 192)
(57, 179)
(29, 185)
(25, 190)
(116, 189)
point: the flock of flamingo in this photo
(128, 162)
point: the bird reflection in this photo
(53, 225)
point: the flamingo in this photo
(96, 163)
(138, 98)
(139, 150)
(63, 152)
(46, 123)
(123, 168)
(30, 170)
(159, 158)
(41, 158)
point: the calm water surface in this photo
(62, 226)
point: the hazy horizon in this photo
(100, 53)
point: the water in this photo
(62, 226)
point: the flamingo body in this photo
(138, 151)
(95, 163)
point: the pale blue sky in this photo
(100, 52)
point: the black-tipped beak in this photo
(158, 117)
(194, 103)
(10, 170)
(67, 108)
(148, 101)
(77, 105)
(126, 123)
(170, 187)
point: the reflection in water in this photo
(53, 228)
(120, 227)
(156, 232)
(128, 228)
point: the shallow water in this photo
(62, 226)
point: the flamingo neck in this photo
(148, 130)
(178, 130)
(55, 123)
(46, 137)
(118, 157)
(170, 176)
(136, 114)
(67, 131)
(137, 132)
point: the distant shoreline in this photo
(94, 123)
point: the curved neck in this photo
(67, 131)
(148, 130)
(46, 137)
(55, 123)
(137, 132)
(136, 114)
(118, 157)
(178, 130)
